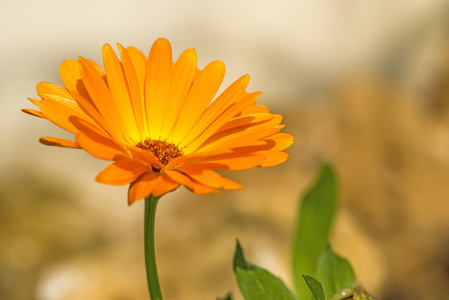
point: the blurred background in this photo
(361, 84)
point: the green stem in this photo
(150, 255)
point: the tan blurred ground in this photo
(364, 86)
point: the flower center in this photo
(163, 151)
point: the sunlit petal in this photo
(51, 141)
(122, 172)
(118, 86)
(161, 122)
(157, 85)
(200, 95)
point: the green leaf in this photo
(256, 283)
(313, 225)
(315, 287)
(335, 273)
(239, 259)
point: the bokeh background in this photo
(361, 84)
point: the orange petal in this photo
(119, 91)
(208, 177)
(277, 141)
(273, 158)
(282, 141)
(255, 109)
(71, 76)
(35, 102)
(141, 188)
(34, 113)
(239, 139)
(217, 107)
(268, 121)
(198, 157)
(150, 184)
(58, 105)
(190, 183)
(58, 94)
(83, 125)
(203, 175)
(200, 95)
(99, 70)
(59, 114)
(96, 142)
(231, 185)
(178, 177)
(244, 122)
(255, 133)
(139, 62)
(234, 162)
(157, 85)
(182, 77)
(260, 121)
(137, 99)
(98, 146)
(52, 141)
(163, 185)
(122, 172)
(100, 94)
(230, 113)
(146, 157)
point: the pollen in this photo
(164, 152)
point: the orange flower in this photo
(156, 120)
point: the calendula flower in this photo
(159, 122)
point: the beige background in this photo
(360, 83)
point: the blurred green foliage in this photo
(313, 226)
(317, 271)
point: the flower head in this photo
(159, 122)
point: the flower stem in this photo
(150, 255)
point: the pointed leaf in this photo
(256, 283)
(334, 272)
(239, 259)
(316, 213)
(315, 287)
